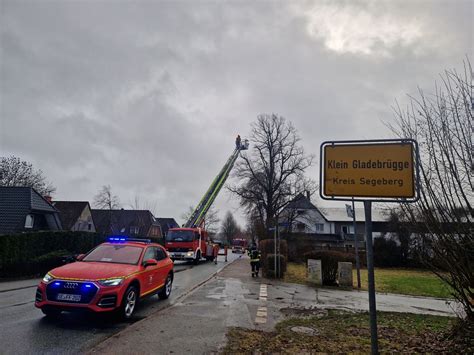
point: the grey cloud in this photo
(148, 96)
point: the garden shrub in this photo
(387, 253)
(269, 265)
(267, 247)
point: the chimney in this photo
(48, 198)
(308, 195)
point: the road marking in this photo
(261, 317)
(262, 312)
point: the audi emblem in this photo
(71, 285)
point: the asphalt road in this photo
(24, 329)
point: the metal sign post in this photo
(371, 278)
(356, 241)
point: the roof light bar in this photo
(122, 239)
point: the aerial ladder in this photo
(197, 217)
(191, 241)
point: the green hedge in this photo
(33, 254)
(269, 266)
(267, 247)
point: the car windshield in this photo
(239, 242)
(120, 254)
(180, 236)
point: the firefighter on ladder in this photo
(254, 255)
(237, 142)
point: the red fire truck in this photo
(239, 245)
(191, 242)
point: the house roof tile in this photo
(18, 201)
(120, 221)
(70, 211)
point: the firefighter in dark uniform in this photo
(254, 255)
(237, 142)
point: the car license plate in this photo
(68, 297)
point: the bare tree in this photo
(442, 124)
(139, 204)
(229, 228)
(211, 222)
(273, 172)
(106, 200)
(16, 172)
(255, 229)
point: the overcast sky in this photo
(148, 96)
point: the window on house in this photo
(134, 230)
(29, 221)
(89, 226)
(319, 227)
(298, 212)
(155, 231)
(301, 226)
(347, 229)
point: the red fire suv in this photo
(111, 277)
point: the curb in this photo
(19, 288)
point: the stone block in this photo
(315, 274)
(344, 274)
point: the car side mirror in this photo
(80, 257)
(150, 262)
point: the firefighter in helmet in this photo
(254, 255)
(238, 141)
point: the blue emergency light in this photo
(122, 239)
(117, 239)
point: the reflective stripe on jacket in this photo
(254, 255)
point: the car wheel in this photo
(198, 258)
(51, 313)
(166, 291)
(129, 302)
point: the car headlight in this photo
(47, 278)
(189, 253)
(111, 282)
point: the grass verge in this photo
(339, 331)
(402, 281)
